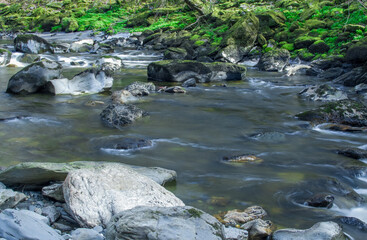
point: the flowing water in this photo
(191, 133)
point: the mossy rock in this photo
(314, 24)
(139, 20)
(288, 46)
(347, 112)
(298, 32)
(288, 3)
(304, 42)
(305, 55)
(294, 26)
(271, 19)
(261, 40)
(352, 28)
(227, 17)
(357, 53)
(319, 47)
(281, 36)
(49, 22)
(307, 14)
(69, 24)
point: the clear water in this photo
(192, 132)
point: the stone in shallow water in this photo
(244, 158)
(175, 89)
(235, 217)
(122, 96)
(131, 143)
(322, 200)
(355, 153)
(118, 115)
(94, 195)
(323, 93)
(319, 231)
(141, 88)
(352, 221)
(156, 223)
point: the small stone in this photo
(117, 115)
(62, 227)
(321, 200)
(122, 96)
(355, 153)
(234, 217)
(244, 158)
(141, 88)
(175, 89)
(51, 213)
(10, 198)
(189, 83)
(93, 103)
(54, 191)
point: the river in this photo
(191, 133)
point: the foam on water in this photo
(14, 60)
(193, 145)
(319, 128)
(35, 120)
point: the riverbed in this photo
(191, 133)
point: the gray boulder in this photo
(41, 173)
(34, 77)
(54, 191)
(86, 234)
(29, 43)
(189, 83)
(94, 195)
(168, 223)
(323, 92)
(10, 198)
(93, 80)
(176, 53)
(319, 231)
(353, 78)
(25, 224)
(5, 56)
(118, 115)
(232, 233)
(141, 88)
(180, 71)
(274, 60)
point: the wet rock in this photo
(29, 43)
(141, 88)
(24, 224)
(51, 213)
(355, 153)
(352, 221)
(361, 88)
(296, 69)
(118, 115)
(131, 143)
(235, 217)
(34, 77)
(9, 198)
(5, 56)
(122, 96)
(244, 158)
(331, 73)
(231, 233)
(269, 137)
(322, 200)
(93, 80)
(323, 92)
(239, 39)
(175, 89)
(110, 64)
(29, 58)
(94, 195)
(258, 229)
(60, 48)
(189, 83)
(93, 103)
(176, 53)
(84, 45)
(180, 71)
(354, 77)
(346, 112)
(320, 231)
(357, 53)
(86, 234)
(342, 128)
(164, 223)
(41, 173)
(2, 186)
(274, 60)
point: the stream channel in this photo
(191, 133)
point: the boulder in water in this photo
(81, 46)
(92, 80)
(118, 115)
(5, 56)
(320, 231)
(235, 217)
(323, 92)
(110, 64)
(164, 223)
(355, 153)
(34, 77)
(323, 200)
(94, 195)
(182, 70)
(29, 43)
(141, 88)
(122, 96)
(274, 60)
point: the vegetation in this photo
(290, 24)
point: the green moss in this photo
(195, 212)
(195, 37)
(288, 46)
(199, 43)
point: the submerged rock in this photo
(141, 88)
(34, 77)
(122, 96)
(118, 115)
(244, 158)
(92, 80)
(346, 112)
(274, 60)
(175, 89)
(156, 223)
(189, 83)
(29, 43)
(5, 56)
(320, 231)
(352, 221)
(41, 173)
(323, 200)
(94, 195)
(180, 71)
(355, 153)
(131, 143)
(323, 92)
(23, 224)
